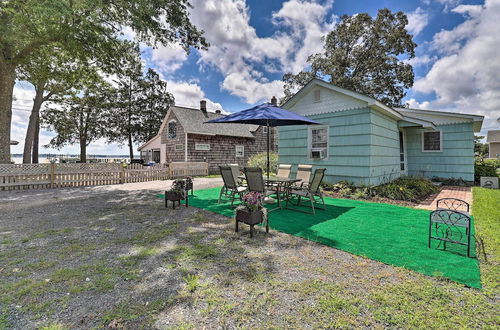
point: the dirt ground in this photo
(114, 257)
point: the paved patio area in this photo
(463, 193)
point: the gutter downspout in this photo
(185, 147)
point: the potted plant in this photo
(251, 211)
(176, 193)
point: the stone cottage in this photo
(184, 137)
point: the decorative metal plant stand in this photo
(450, 226)
(251, 218)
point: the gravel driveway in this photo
(114, 257)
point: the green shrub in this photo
(407, 189)
(260, 160)
(484, 168)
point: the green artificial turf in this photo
(391, 234)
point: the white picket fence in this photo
(40, 176)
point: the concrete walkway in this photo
(463, 193)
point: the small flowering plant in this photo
(253, 201)
(178, 186)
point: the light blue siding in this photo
(456, 160)
(348, 149)
(384, 153)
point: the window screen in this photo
(432, 141)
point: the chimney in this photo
(218, 111)
(203, 107)
(274, 101)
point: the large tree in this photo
(364, 54)
(87, 29)
(139, 106)
(78, 118)
(53, 73)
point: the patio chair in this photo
(255, 182)
(304, 174)
(311, 192)
(449, 227)
(284, 171)
(231, 187)
(235, 168)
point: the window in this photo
(318, 142)
(172, 129)
(264, 129)
(431, 141)
(156, 156)
(179, 147)
(202, 146)
(240, 151)
(317, 95)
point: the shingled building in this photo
(183, 137)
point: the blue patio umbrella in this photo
(266, 114)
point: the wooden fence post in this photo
(122, 173)
(52, 174)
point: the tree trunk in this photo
(32, 125)
(83, 150)
(7, 81)
(34, 157)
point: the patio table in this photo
(281, 184)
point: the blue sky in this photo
(254, 42)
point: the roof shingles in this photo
(193, 121)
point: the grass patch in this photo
(192, 282)
(486, 212)
(197, 251)
(132, 310)
(151, 235)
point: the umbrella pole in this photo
(267, 149)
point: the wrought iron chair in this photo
(231, 187)
(449, 227)
(255, 182)
(310, 192)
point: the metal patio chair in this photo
(231, 188)
(311, 191)
(284, 171)
(255, 182)
(304, 174)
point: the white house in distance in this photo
(493, 139)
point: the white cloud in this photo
(465, 78)
(168, 58)
(189, 94)
(236, 49)
(417, 21)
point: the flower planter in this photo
(251, 218)
(175, 197)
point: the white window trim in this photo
(309, 141)
(440, 141)
(242, 151)
(168, 129)
(201, 144)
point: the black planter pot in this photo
(251, 218)
(175, 197)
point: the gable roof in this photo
(493, 136)
(192, 120)
(443, 117)
(157, 136)
(425, 118)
